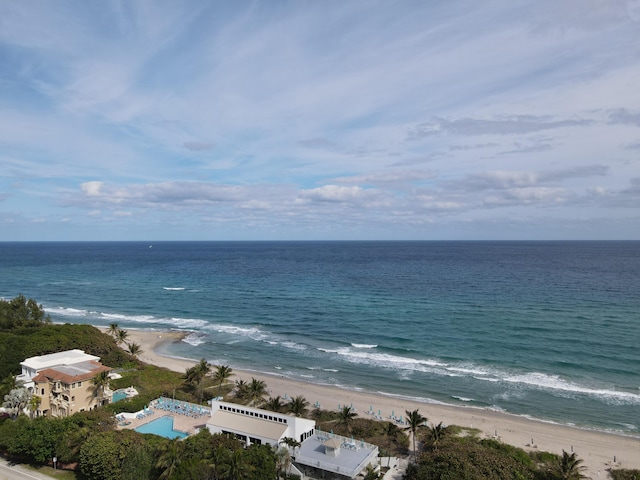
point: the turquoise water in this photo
(548, 330)
(162, 427)
(117, 396)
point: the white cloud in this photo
(335, 193)
(268, 117)
(92, 189)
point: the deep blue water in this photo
(545, 329)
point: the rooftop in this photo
(250, 425)
(68, 357)
(353, 455)
(72, 373)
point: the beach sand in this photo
(596, 449)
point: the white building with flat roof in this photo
(320, 454)
(31, 366)
(254, 425)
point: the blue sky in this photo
(215, 120)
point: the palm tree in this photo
(113, 329)
(34, 404)
(415, 422)
(121, 336)
(292, 443)
(100, 385)
(570, 467)
(223, 373)
(436, 434)
(218, 459)
(346, 416)
(370, 473)
(298, 406)
(257, 390)
(169, 458)
(283, 459)
(237, 466)
(242, 389)
(16, 401)
(195, 375)
(391, 431)
(191, 376)
(134, 349)
(274, 404)
(10, 382)
(204, 367)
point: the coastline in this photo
(596, 449)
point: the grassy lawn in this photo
(50, 472)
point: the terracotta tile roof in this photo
(72, 373)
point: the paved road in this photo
(10, 471)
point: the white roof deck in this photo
(353, 455)
(69, 357)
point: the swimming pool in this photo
(163, 427)
(117, 396)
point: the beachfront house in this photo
(319, 454)
(64, 382)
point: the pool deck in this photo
(181, 422)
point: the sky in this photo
(319, 120)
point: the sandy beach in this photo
(597, 449)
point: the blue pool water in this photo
(163, 427)
(117, 396)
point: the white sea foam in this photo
(173, 289)
(293, 345)
(111, 317)
(69, 312)
(328, 350)
(471, 370)
(128, 318)
(254, 333)
(462, 399)
(363, 345)
(402, 364)
(556, 383)
(184, 323)
(251, 332)
(195, 339)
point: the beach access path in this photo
(598, 450)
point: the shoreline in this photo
(597, 449)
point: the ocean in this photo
(547, 330)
